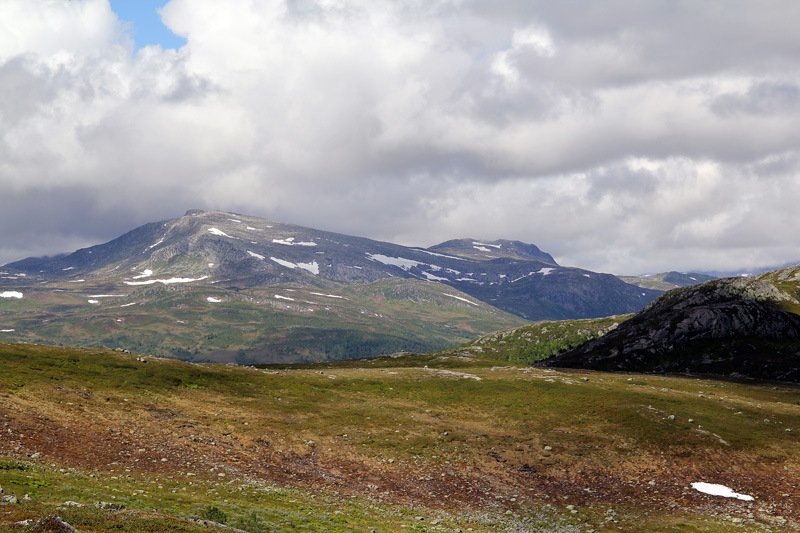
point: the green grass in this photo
(252, 326)
(536, 342)
(369, 422)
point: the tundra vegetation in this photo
(456, 440)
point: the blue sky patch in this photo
(145, 23)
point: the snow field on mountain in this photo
(165, 281)
(312, 267)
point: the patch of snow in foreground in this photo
(460, 298)
(165, 281)
(219, 232)
(11, 294)
(405, 264)
(146, 273)
(290, 242)
(720, 490)
(253, 254)
(93, 301)
(279, 297)
(6, 330)
(213, 300)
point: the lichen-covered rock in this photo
(731, 326)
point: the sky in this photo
(623, 137)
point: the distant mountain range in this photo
(666, 281)
(222, 286)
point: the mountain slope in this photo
(666, 281)
(236, 251)
(222, 287)
(733, 327)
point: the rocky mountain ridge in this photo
(236, 251)
(732, 326)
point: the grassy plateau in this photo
(450, 441)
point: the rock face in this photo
(734, 327)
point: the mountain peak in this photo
(482, 250)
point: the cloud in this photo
(618, 137)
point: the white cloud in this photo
(591, 131)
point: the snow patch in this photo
(439, 255)
(545, 271)
(213, 300)
(312, 267)
(405, 264)
(11, 294)
(146, 273)
(279, 297)
(6, 330)
(460, 298)
(720, 490)
(291, 242)
(73, 268)
(93, 301)
(287, 264)
(328, 295)
(156, 244)
(211, 265)
(128, 305)
(77, 281)
(253, 254)
(431, 277)
(221, 233)
(165, 281)
(234, 220)
(482, 249)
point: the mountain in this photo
(733, 327)
(223, 286)
(666, 281)
(483, 251)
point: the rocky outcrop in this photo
(731, 327)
